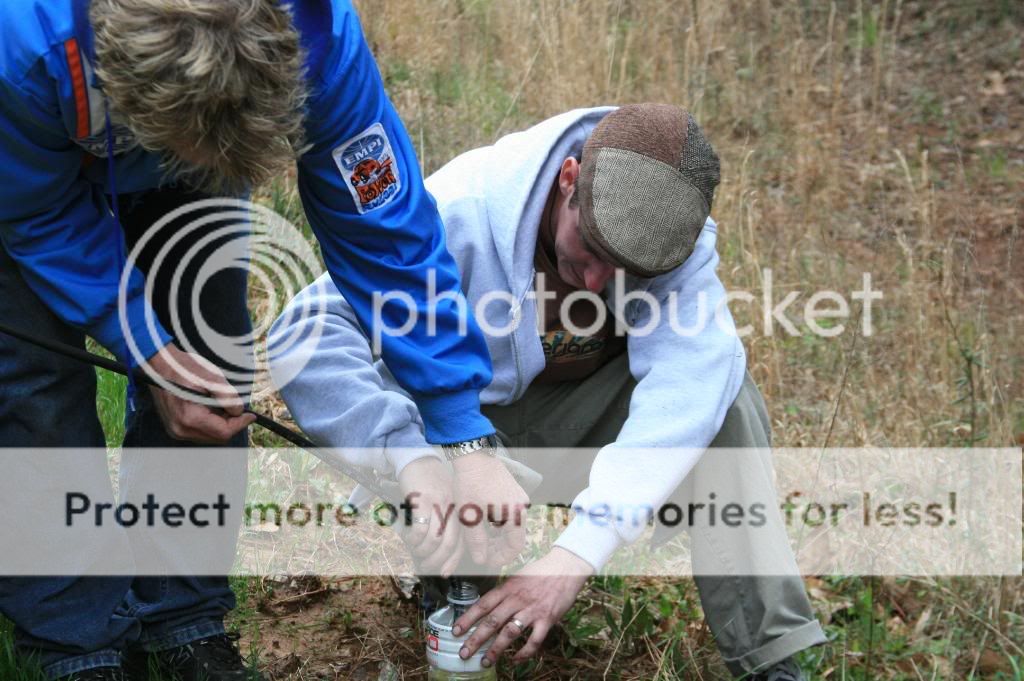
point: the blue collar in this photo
(83, 29)
(313, 20)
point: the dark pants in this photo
(71, 623)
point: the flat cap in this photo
(647, 181)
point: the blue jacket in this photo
(55, 221)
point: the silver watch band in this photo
(487, 444)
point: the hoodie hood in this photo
(514, 177)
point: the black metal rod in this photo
(118, 368)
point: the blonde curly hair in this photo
(217, 86)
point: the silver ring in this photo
(421, 520)
(515, 621)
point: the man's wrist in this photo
(481, 446)
(471, 461)
(577, 565)
(406, 444)
(158, 360)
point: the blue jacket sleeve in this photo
(380, 232)
(58, 229)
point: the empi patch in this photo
(368, 167)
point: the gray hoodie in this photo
(686, 356)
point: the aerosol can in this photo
(443, 647)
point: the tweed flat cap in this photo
(647, 180)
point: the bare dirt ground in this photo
(314, 629)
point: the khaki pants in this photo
(756, 620)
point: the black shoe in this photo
(98, 674)
(787, 670)
(209, 659)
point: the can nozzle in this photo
(462, 594)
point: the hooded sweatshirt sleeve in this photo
(689, 364)
(57, 226)
(383, 241)
(318, 352)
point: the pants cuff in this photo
(72, 665)
(179, 636)
(801, 638)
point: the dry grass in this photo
(855, 137)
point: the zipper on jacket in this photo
(516, 314)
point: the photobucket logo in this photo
(191, 252)
(638, 307)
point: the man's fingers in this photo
(489, 625)
(427, 489)
(185, 419)
(506, 635)
(476, 542)
(426, 536)
(443, 542)
(506, 538)
(415, 533)
(453, 563)
(533, 644)
(449, 541)
(202, 425)
(487, 602)
(222, 391)
(240, 423)
(513, 539)
(227, 396)
(230, 402)
(226, 428)
(203, 375)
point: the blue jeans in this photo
(71, 623)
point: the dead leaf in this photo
(962, 430)
(388, 672)
(992, 663)
(405, 585)
(995, 85)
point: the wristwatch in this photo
(487, 445)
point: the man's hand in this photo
(537, 596)
(432, 536)
(487, 493)
(185, 420)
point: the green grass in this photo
(11, 667)
(110, 399)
